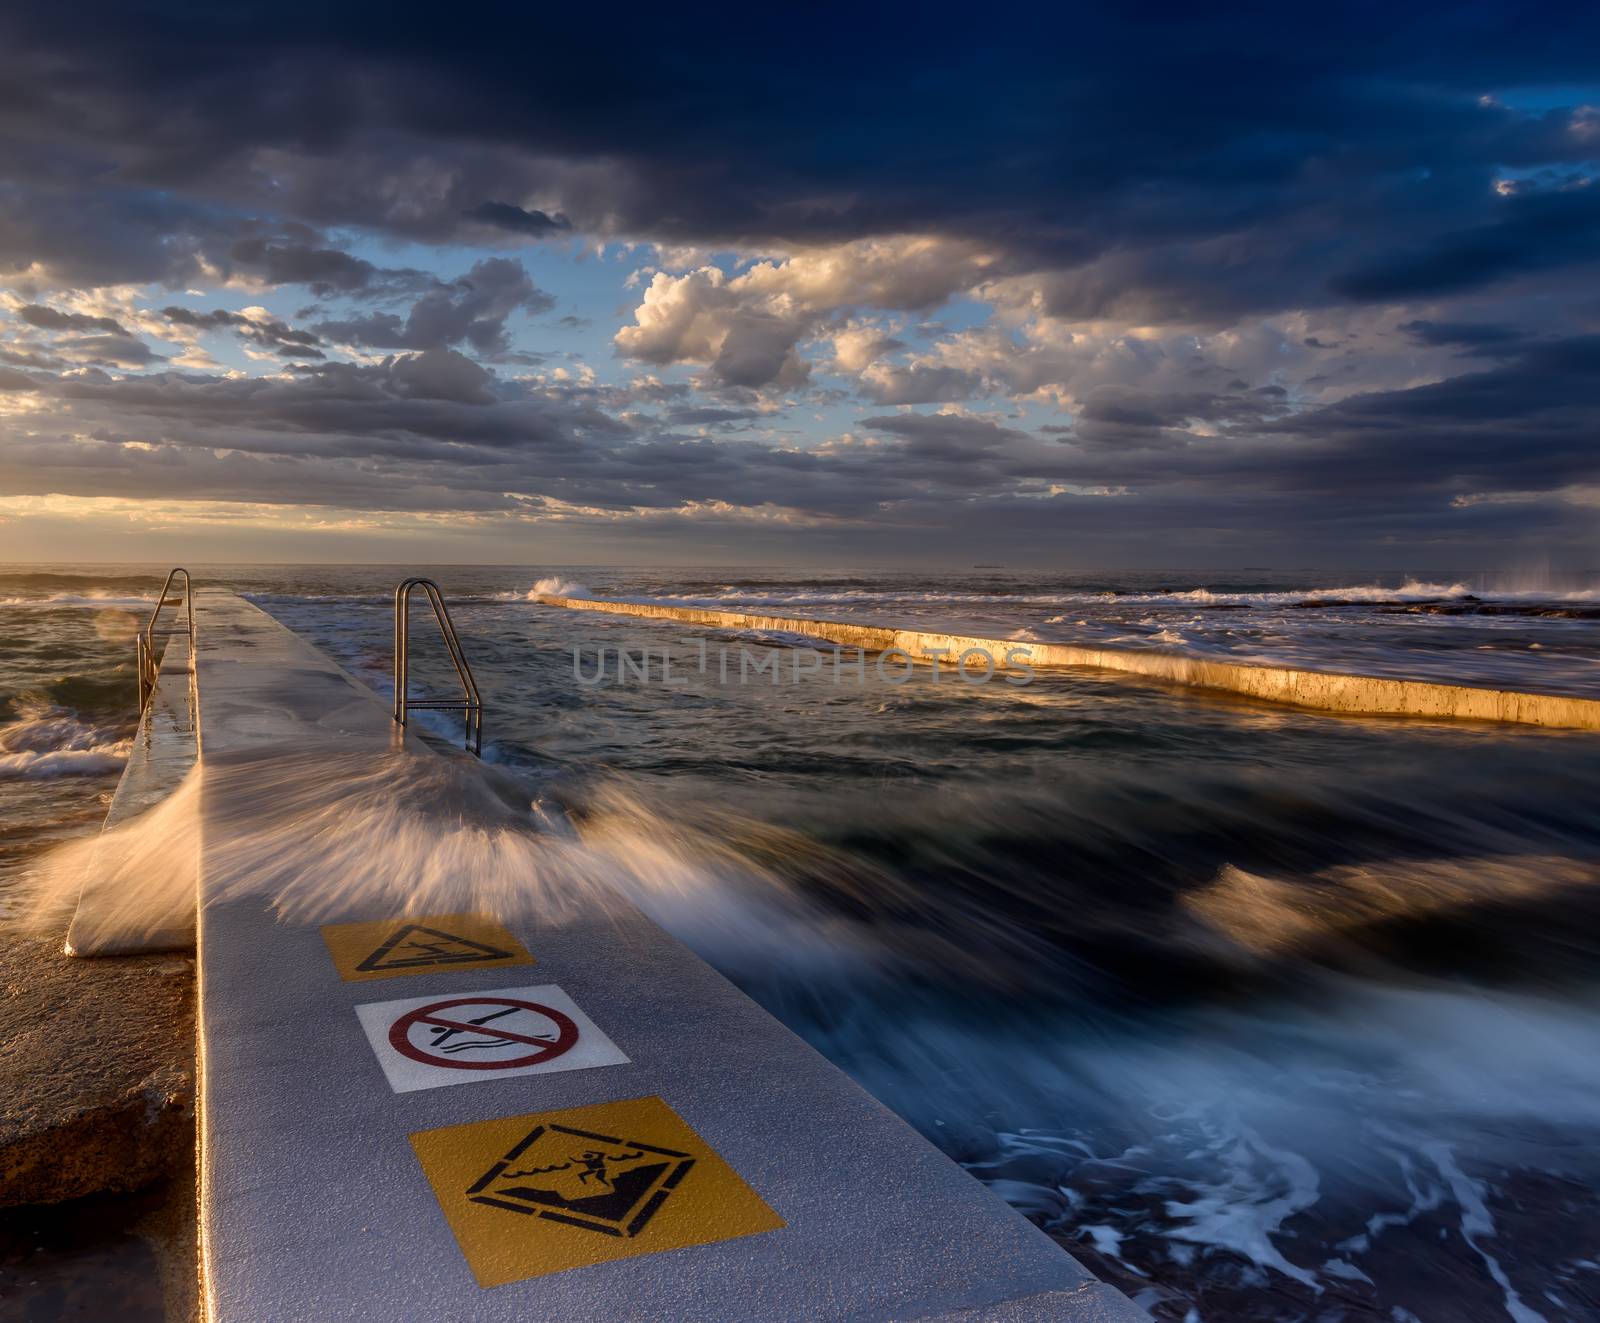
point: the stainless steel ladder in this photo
(470, 706)
(149, 660)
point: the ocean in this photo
(1264, 1014)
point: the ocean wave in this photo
(49, 741)
(30, 766)
(1411, 591)
(93, 599)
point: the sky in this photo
(1055, 286)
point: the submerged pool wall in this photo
(1322, 691)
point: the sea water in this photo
(1264, 1014)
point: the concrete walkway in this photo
(473, 1116)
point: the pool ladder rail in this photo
(148, 659)
(469, 705)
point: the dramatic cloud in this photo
(51, 319)
(298, 259)
(519, 220)
(262, 330)
(747, 328)
(1180, 270)
(473, 309)
(1470, 335)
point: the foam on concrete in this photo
(164, 751)
(1323, 691)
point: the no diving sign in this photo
(425, 1042)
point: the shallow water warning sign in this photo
(529, 1195)
(387, 948)
(425, 1042)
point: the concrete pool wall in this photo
(1321, 691)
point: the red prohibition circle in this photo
(399, 1031)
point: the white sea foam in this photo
(1364, 1108)
(48, 741)
(1476, 1225)
(1260, 1188)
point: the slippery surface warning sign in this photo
(387, 948)
(424, 1042)
(529, 1195)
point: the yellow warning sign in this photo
(387, 948)
(529, 1195)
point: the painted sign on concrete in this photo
(424, 1042)
(529, 1195)
(430, 944)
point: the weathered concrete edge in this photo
(1323, 691)
(165, 749)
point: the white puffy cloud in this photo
(748, 326)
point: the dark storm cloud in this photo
(299, 259)
(946, 438)
(710, 416)
(1528, 424)
(118, 351)
(83, 231)
(472, 309)
(53, 319)
(519, 220)
(1475, 337)
(1540, 232)
(269, 333)
(1525, 426)
(1123, 418)
(76, 339)
(30, 358)
(922, 383)
(1186, 163)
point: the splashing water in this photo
(556, 586)
(357, 834)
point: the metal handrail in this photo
(471, 707)
(148, 662)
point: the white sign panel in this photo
(425, 1042)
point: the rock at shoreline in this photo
(97, 1071)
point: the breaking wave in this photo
(556, 586)
(45, 740)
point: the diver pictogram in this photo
(550, 1191)
(602, 1183)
